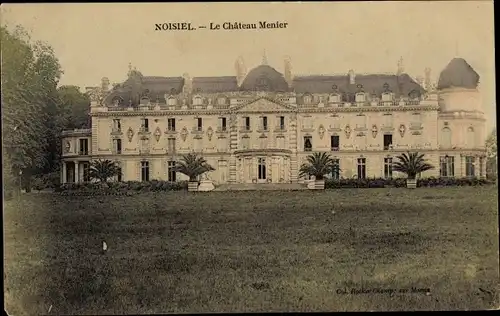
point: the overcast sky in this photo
(100, 40)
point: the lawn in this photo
(334, 250)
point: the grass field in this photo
(253, 251)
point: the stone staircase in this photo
(260, 187)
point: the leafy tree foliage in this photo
(491, 153)
(318, 165)
(103, 170)
(193, 166)
(411, 164)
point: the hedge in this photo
(120, 188)
(401, 182)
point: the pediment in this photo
(263, 105)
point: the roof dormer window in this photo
(360, 97)
(386, 96)
(307, 99)
(197, 100)
(333, 98)
(172, 101)
(221, 101)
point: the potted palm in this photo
(102, 170)
(193, 166)
(318, 165)
(411, 164)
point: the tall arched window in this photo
(446, 137)
(471, 141)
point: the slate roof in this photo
(153, 86)
(215, 84)
(458, 73)
(401, 85)
(264, 77)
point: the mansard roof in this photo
(401, 85)
(458, 73)
(153, 87)
(214, 84)
(264, 78)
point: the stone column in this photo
(462, 166)
(77, 172)
(64, 176)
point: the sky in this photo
(100, 40)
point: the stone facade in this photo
(259, 127)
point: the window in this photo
(336, 172)
(198, 144)
(416, 120)
(245, 142)
(335, 142)
(117, 146)
(307, 143)
(388, 168)
(307, 99)
(280, 142)
(282, 122)
(171, 124)
(221, 101)
(172, 101)
(119, 175)
(199, 125)
(387, 141)
(333, 98)
(388, 120)
(171, 145)
(470, 138)
(360, 121)
(361, 168)
(447, 166)
(264, 123)
(446, 138)
(386, 97)
(360, 97)
(470, 163)
(197, 101)
(263, 142)
(117, 126)
(84, 146)
(223, 124)
(144, 171)
(247, 123)
(86, 172)
(171, 173)
(145, 125)
(308, 123)
(222, 144)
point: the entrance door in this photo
(262, 170)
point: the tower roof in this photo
(458, 73)
(264, 77)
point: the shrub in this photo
(401, 182)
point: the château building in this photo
(261, 125)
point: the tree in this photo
(75, 107)
(411, 164)
(30, 74)
(491, 155)
(318, 165)
(193, 166)
(102, 170)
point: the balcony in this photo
(245, 129)
(144, 151)
(83, 152)
(144, 130)
(222, 129)
(415, 126)
(388, 147)
(335, 149)
(280, 128)
(307, 128)
(263, 128)
(116, 131)
(197, 130)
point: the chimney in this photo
(400, 67)
(104, 84)
(352, 77)
(288, 71)
(240, 70)
(427, 80)
(188, 84)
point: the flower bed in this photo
(401, 182)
